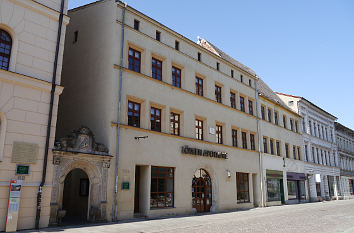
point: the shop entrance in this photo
(76, 196)
(201, 191)
(137, 190)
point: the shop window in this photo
(156, 67)
(273, 190)
(176, 77)
(134, 60)
(233, 100)
(242, 187)
(133, 114)
(244, 140)
(155, 119)
(219, 138)
(318, 189)
(175, 123)
(242, 103)
(199, 86)
(218, 94)
(5, 49)
(252, 140)
(162, 187)
(199, 129)
(292, 189)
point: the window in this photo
(218, 66)
(241, 78)
(253, 144)
(234, 138)
(155, 119)
(136, 24)
(232, 73)
(134, 60)
(242, 103)
(294, 152)
(250, 107)
(284, 121)
(326, 134)
(177, 45)
(5, 49)
(265, 145)
(175, 123)
(219, 138)
(276, 121)
(287, 150)
(199, 86)
(199, 129)
(298, 153)
(156, 67)
(244, 140)
(296, 127)
(133, 114)
(263, 112)
(242, 187)
(313, 154)
(76, 36)
(306, 155)
(291, 125)
(270, 115)
(250, 82)
(162, 187)
(158, 36)
(176, 77)
(218, 94)
(271, 144)
(233, 100)
(278, 148)
(314, 129)
(199, 56)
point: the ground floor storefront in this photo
(324, 182)
(347, 184)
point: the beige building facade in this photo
(28, 43)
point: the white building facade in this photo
(29, 49)
(345, 144)
(319, 146)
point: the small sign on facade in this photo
(23, 152)
(125, 185)
(318, 178)
(22, 169)
(212, 130)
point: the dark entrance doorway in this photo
(201, 191)
(75, 197)
(137, 190)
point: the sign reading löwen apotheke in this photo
(207, 153)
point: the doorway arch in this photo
(76, 196)
(201, 191)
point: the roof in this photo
(265, 91)
(340, 127)
(314, 105)
(212, 48)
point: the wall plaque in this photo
(125, 185)
(22, 169)
(23, 152)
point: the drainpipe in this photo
(260, 157)
(115, 218)
(45, 160)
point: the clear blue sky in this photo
(301, 47)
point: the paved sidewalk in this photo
(333, 216)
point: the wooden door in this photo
(201, 191)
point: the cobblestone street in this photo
(334, 216)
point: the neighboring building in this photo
(320, 150)
(188, 132)
(283, 166)
(345, 144)
(28, 42)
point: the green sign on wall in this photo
(22, 169)
(125, 185)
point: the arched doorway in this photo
(201, 191)
(75, 196)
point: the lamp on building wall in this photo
(228, 173)
(140, 137)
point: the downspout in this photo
(115, 218)
(260, 157)
(45, 160)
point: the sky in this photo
(303, 48)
